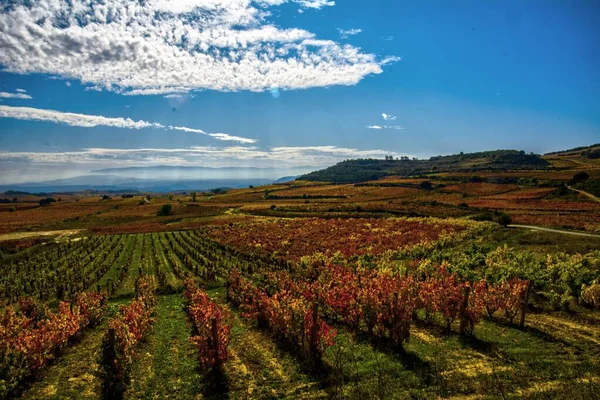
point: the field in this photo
(392, 288)
(294, 267)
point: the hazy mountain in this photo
(116, 183)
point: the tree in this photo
(47, 201)
(580, 177)
(426, 185)
(193, 196)
(165, 209)
(503, 219)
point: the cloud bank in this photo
(200, 156)
(90, 121)
(152, 47)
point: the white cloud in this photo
(21, 90)
(72, 119)
(90, 121)
(316, 4)
(201, 156)
(396, 127)
(163, 46)
(218, 136)
(20, 95)
(386, 117)
(174, 96)
(93, 88)
(344, 34)
(68, 84)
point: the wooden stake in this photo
(524, 305)
(463, 311)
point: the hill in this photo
(352, 171)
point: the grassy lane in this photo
(162, 265)
(126, 243)
(74, 374)
(147, 260)
(258, 368)
(133, 272)
(167, 367)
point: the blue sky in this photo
(295, 84)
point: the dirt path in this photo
(589, 195)
(539, 228)
(24, 235)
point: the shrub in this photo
(165, 209)
(503, 219)
(579, 177)
(47, 201)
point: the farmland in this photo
(391, 288)
(431, 347)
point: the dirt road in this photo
(24, 235)
(539, 228)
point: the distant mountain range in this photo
(116, 183)
(162, 178)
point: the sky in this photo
(295, 85)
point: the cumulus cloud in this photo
(21, 90)
(156, 47)
(388, 117)
(316, 4)
(90, 121)
(19, 95)
(374, 126)
(345, 33)
(201, 156)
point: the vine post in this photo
(215, 335)
(314, 331)
(464, 318)
(524, 305)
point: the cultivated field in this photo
(398, 308)
(395, 288)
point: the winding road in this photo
(591, 196)
(539, 228)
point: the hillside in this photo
(352, 171)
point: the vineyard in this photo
(299, 308)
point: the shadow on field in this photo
(537, 332)
(409, 360)
(215, 385)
